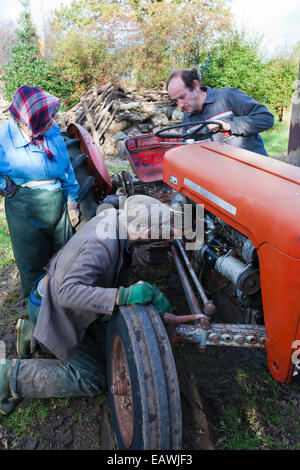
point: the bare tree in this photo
(7, 38)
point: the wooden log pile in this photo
(111, 114)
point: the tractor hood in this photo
(258, 195)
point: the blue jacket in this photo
(23, 162)
(246, 116)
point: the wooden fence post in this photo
(293, 156)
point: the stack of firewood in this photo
(111, 114)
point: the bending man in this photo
(70, 305)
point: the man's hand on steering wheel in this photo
(195, 130)
(223, 126)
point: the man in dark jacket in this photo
(240, 117)
(70, 304)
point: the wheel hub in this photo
(121, 390)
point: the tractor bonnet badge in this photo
(173, 180)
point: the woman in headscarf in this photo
(38, 182)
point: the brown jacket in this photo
(82, 284)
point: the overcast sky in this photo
(12, 8)
(279, 22)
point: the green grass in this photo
(264, 403)
(252, 411)
(276, 139)
(113, 168)
(56, 402)
(102, 399)
(241, 439)
(25, 417)
(6, 253)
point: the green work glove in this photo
(160, 301)
(136, 294)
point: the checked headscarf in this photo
(34, 108)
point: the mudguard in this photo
(95, 162)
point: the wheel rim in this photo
(121, 390)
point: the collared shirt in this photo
(24, 162)
(247, 117)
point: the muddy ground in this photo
(228, 398)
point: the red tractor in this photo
(249, 258)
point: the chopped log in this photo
(90, 121)
(109, 121)
(103, 113)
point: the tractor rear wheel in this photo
(142, 381)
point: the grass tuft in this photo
(25, 417)
(6, 253)
(276, 139)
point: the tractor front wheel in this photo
(142, 381)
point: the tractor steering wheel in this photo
(192, 134)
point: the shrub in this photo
(238, 62)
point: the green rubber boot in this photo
(7, 404)
(26, 344)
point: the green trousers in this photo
(39, 226)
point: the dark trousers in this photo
(83, 375)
